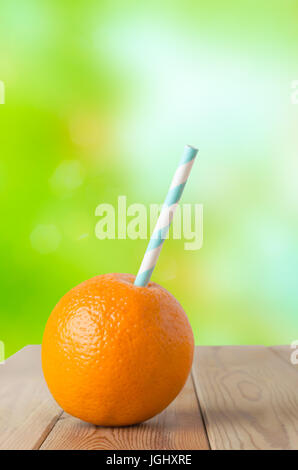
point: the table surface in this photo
(237, 397)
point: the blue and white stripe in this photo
(166, 216)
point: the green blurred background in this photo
(101, 97)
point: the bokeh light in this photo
(100, 99)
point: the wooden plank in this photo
(27, 411)
(288, 354)
(248, 398)
(180, 426)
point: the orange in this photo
(115, 354)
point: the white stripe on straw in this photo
(166, 216)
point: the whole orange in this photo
(116, 354)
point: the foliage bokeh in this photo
(100, 99)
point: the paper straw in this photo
(166, 216)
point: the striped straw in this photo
(166, 216)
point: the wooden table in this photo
(238, 397)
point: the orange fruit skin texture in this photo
(115, 354)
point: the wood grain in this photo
(27, 411)
(248, 397)
(180, 426)
(288, 354)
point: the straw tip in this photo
(191, 147)
(189, 154)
